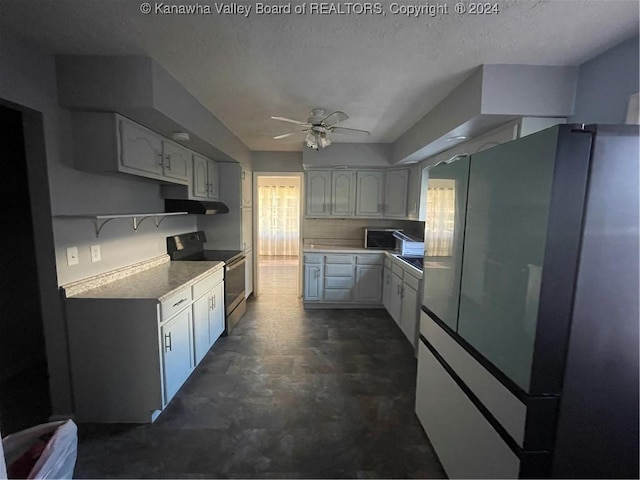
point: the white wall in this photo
(276, 161)
(605, 84)
(28, 79)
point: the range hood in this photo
(196, 207)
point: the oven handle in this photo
(235, 265)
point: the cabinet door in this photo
(370, 193)
(343, 188)
(395, 300)
(200, 187)
(416, 194)
(140, 148)
(386, 289)
(177, 355)
(201, 313)
(213, 180)
(409, 322)
(216, 316)
(318, 193)
(396, 193)
(247, 229)
(313, 283)
(176, 161)
(247, 188)
(368, 284)
(248, 274)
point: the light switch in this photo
(72, 256)
(95, 253)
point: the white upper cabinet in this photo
(366, 193)
(396, 193)
(213, 180)
(370, 193)
(205, 178)
(177, 161)
(318, 193)
(200, 186)
(140, 149)
(414, 196)
(343, 193)
(247, 188)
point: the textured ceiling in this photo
(386, 71)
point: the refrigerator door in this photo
(510, 190)
(444, 233)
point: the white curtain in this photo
(439, 225)
(279, 219)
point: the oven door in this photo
(234, 284)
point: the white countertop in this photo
(155, 283)
(317, 248)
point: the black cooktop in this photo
(190, 247)
(413, 261)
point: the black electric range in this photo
(190, 247)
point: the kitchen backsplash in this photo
(350, 231)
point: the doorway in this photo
(278, 233)
(24, 382)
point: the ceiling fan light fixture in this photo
(323, 141)
(311, 141)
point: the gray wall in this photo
(276, 161)
(605, 84)
(351, 154)
(28, 79)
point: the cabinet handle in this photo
(210, 303)
(214, 302)
(167, 342)
(317, 273)
(161, 162)
(399, 288)
(168, 164)
(243, 175)
(388, 280)
(179, 302)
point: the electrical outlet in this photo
(72, 256)
(95, 253)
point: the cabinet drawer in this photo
(369, 259)
(175, 303)
(206, 284)
(412, 281)
(338, 295)
(338, 282)
(332, 270)
(338, 259)
(312, 258)
(397, 269)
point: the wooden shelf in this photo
(100, 221)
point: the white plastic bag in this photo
(58, 458)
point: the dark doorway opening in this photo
(24, 383)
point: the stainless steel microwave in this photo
(379, 238)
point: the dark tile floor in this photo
(291, 393)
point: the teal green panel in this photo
(505, 238)
(444, 233)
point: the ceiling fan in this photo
(318, 127)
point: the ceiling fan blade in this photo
(335, 118)
(285, 135)
(288, 120)
(350, 131)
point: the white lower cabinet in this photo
(401, 284)
(343, 279)
(313, 282)
(129, 356)
(409, 315)
(208, 320)
(177, 359)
